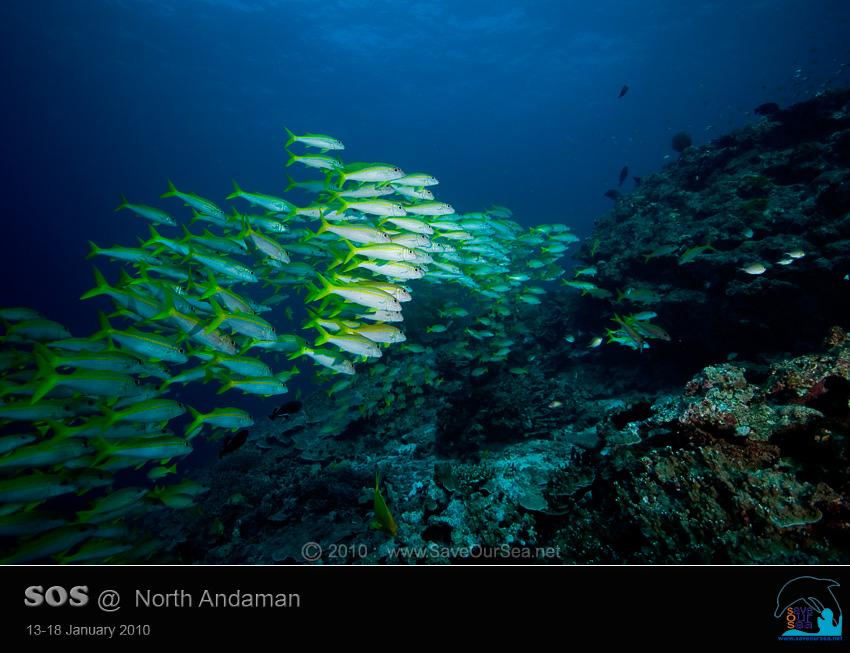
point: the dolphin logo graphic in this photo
(815, 593)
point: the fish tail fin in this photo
(124, 203)
(82, 517)
(220, 317)
(47, 372)
(187, 235)
(105, 328)
(213, 287)
(172, 190)
(235, 217)
(155, 239)
(246, 229)
(302, 351)
(286, 375)
(352, 252)
(311, 289)
(324, 336)
(326, 302)
(101, 287)
(331, 174)
(107, 418)
(125, 279)
(197, 423)
(237, 192)
(47, 356)
(168, 311)
(292, 158)
(292, 137)
(104, 450)
(353, 266)
(313, 321)
(292, 184)
(60, 431)
(94, 250)
(322, 292)
(323, 226)
(209, 372)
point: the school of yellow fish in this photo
(187, 305)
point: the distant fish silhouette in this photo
(766, 109)
(285, 410)
(623, 90)
(613, 194)
(293, 430)
(681, 141)
(233, 442)
(623, 174)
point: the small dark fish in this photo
(637, 180)
(623, 174)
(233, 442)
(623, 90)
(287, 409)
(612, 194)
(766, 109)
(292, 431)
(681, 141)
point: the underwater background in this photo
(669, 384)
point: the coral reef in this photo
(726, 470)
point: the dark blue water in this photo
(506, 102)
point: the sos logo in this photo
(56, 596)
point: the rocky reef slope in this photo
(726, 444)
(774, 194)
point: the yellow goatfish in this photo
(383, 517)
